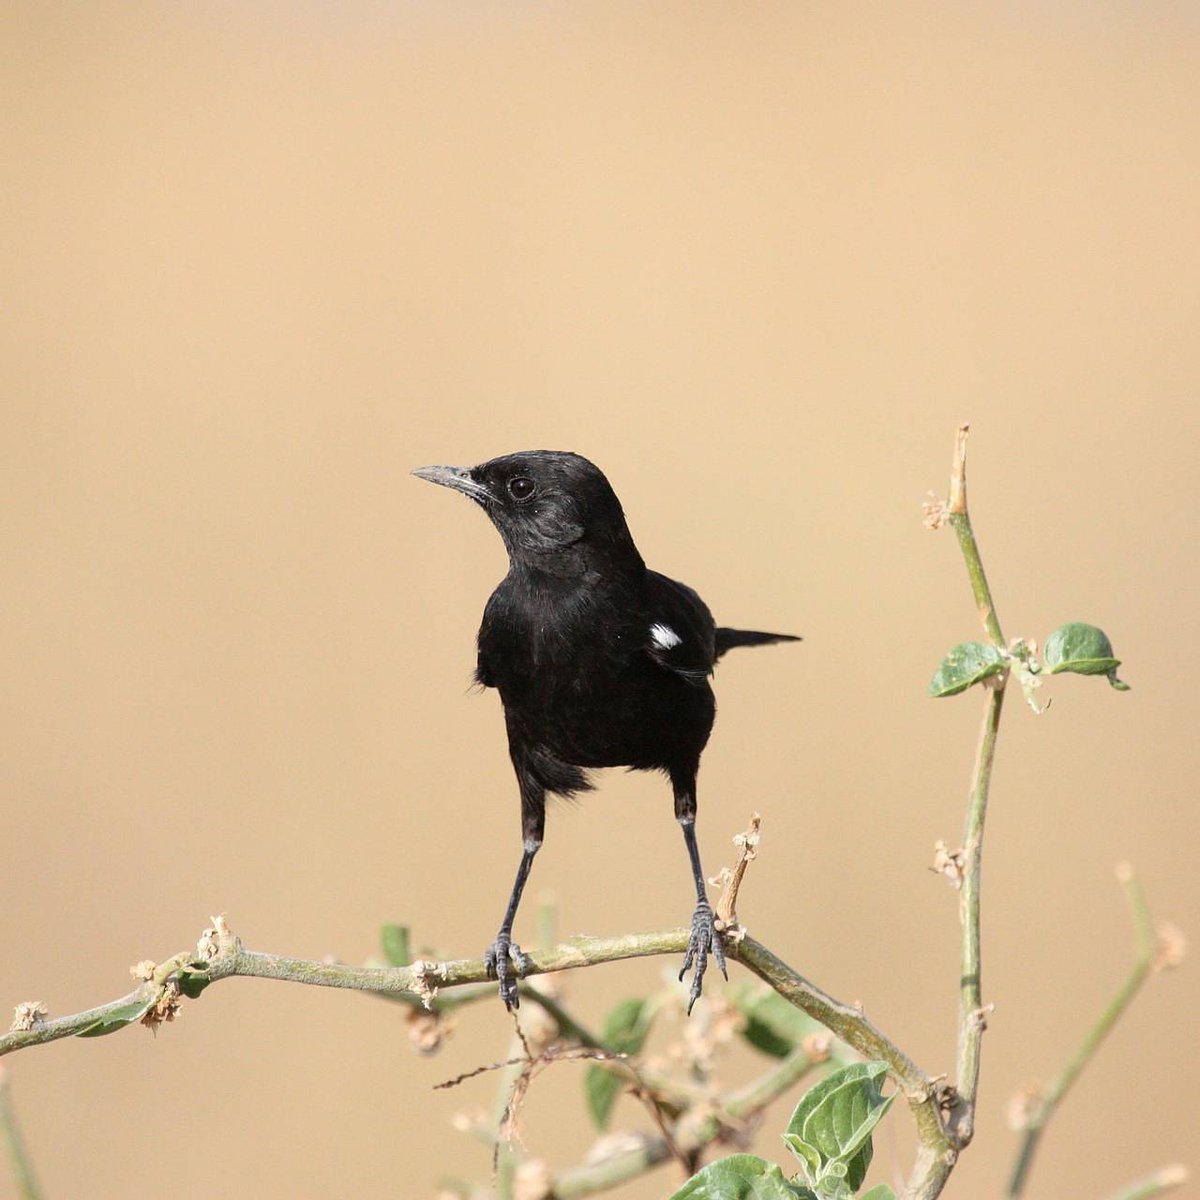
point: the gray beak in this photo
(458, 478)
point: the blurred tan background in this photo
(755, 260)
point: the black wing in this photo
(680, 635)
(493, 642)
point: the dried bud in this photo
(1172, 1176)
(28, 1015)
(1171, 948)
(818, 1046)
(427, 1030)
(748, 842)
(721, 878)
(144, 970)
(209, 945)
(165, 1007)
(979, 1018)
(533, 1181)
(951, 863)
(1023, 1107)
(936, 511)
(421, 985)
(475, 1121)
(733, 933)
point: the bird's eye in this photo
(520, 488)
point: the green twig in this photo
(1163, 1180)
(417, 980)
(972, 1016)
(648, 1151)
(1052, 1096)
(856, 1031)
(936, 1157)
(960, 521)
(770, 1085)
(23, 1176)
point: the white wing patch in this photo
(664, 637)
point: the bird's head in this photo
(555, 511)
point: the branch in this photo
(424, 979)
(1145, 962)
(934, 1162)
(972, 1015)
(645, 1151)
(856, 1031)
(221, 955)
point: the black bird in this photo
(599, 661)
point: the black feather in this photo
(728, 639)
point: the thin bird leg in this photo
(503, 955)
(504, 950)
(705, 938)
(689, 836)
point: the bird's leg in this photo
(504, 959)
(705, 938)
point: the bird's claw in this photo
(705, 938)
(500, 959)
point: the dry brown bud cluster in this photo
(165, 1007)
(28, 1014)
(951, 863)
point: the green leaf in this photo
(625, 1030)
(394, 940)
(118, 1018)
(192, 983)
(772, 1025)
(967, 663)
(1083, 650)
(879, 1192)
(740, 1177)
(835, 1119)
(809, 1156)
(601, 1089)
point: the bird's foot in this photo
(705, 939)
(506, 962)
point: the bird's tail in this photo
(727, 639)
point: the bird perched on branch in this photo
(599, 661)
